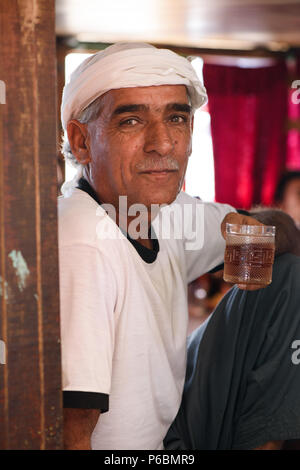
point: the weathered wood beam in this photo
(30, 380)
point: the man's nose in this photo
(158, 139)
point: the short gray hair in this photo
(89, 114)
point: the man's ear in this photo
(77, 135)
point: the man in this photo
(287, 195)
(242, 384)
(128, 113)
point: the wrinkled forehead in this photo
(157, 96)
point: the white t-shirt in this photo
(124, 321)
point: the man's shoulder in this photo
(78, 215)
(194, 213)
(184, 199)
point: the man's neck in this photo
(140, 232)
(125, 222)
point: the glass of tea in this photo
(249, 254)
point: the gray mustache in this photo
(158, 165)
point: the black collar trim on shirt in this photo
(148, 255)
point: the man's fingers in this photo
(236, 218)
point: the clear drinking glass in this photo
(249, 254)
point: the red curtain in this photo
(293, 138)
(248, 110)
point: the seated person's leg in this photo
(243, 376)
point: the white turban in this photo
(126, 65)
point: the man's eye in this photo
(178, 119)
(129, 122)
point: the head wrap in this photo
(126, 65)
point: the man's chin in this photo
(162, 199)
(159, 196)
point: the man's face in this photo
(291, 200)
(140, 144)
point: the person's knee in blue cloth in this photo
(242, 383)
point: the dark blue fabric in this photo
(242, 388)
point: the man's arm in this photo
(78, 427)
(87, 338)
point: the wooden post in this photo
(61, 51)
(30, 379)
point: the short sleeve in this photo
(87, 303)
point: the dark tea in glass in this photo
(249, 254)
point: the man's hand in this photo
(235, 218)
(78, 427)
(287, 239)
